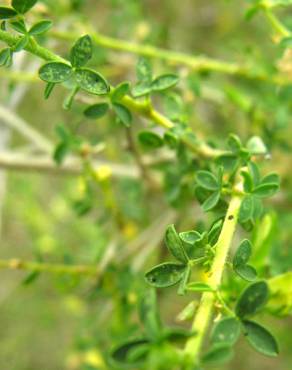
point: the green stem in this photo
(204, 313)
(196, 63)
(17, 264)
(33, 47)
(276, 23)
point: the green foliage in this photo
(134, 199)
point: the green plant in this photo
(224, 177)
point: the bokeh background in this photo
(54, 322)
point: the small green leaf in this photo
(150, 140)
(176, 334)
(199, 287)
(252, 299)
(122, 353)
(247, 181)
(271, 178)
(254, 172)
(6, 57)
(141, 89)
(123, 114)
(260, 339)
(174, 244)
(234, 143)
(212, 201)
(40, 27)
(19, 26)
(214, 232)
(255, 145)
(120, 91)
(60, 152)
(207, 180)
(246, 209)
(266, 190)
(21, 43)
(242, 254)
(246, 272)
(91, 81)
(144, 70)
(164, 82)
(23, 6)
(96, 111)
(7, 13)
(149, 315)
(81, 52)
(55, 72)
(218, 354)
(165, 275)
(226, 331)
(190, 237)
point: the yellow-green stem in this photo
(276, 24)
(204, 312)
(197, 63)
